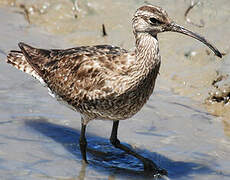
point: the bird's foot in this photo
(151, 168)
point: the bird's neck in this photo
(147, 52)
(146, 66)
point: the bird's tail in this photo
(18, 60)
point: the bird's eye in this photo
(155, 21)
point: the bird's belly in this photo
(114, 105)
(118, 107)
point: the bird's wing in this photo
(79, 73)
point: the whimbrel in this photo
(105, 82)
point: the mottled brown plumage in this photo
(105, 82)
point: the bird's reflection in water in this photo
(81, 175)
(107, 160)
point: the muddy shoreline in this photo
(184, 127)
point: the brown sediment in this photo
(104, 33)
(26, 12)
(192, 5)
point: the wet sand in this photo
(182, 128)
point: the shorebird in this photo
(105, 82)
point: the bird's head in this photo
(153, 20)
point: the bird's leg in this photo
(83, 142)
(149, 166)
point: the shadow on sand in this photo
(105, 158)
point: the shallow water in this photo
(177, 128)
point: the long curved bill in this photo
(176, 28)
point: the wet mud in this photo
(184, 127)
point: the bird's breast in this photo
(124, 104)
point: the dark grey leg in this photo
(83, 143)
(149, 166)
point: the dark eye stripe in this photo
(155, 21)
